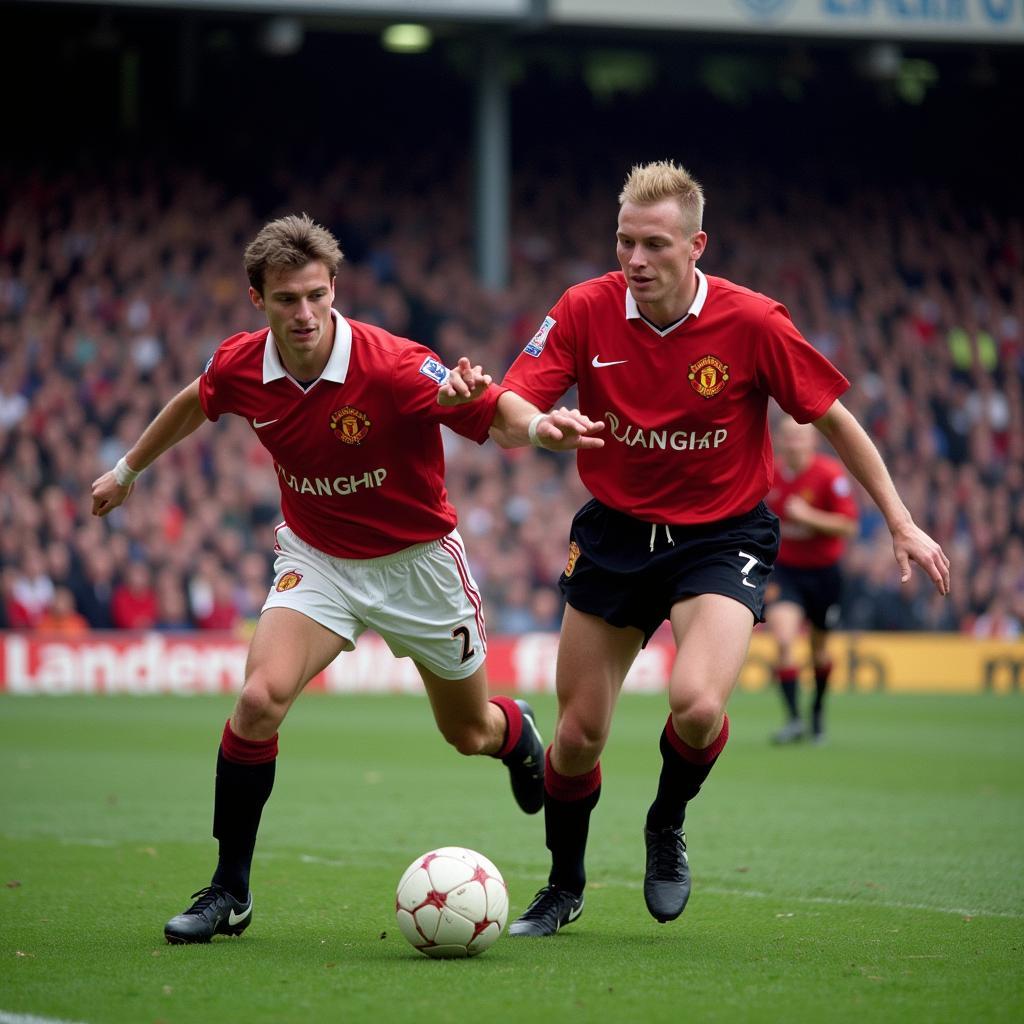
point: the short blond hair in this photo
(664, 179)
(288, 244)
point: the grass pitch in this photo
(877, 878)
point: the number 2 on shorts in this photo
(462, 633)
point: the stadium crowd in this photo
(115, 292)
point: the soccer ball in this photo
(451, 902)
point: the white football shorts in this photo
(422, 600)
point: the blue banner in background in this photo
(962, 21)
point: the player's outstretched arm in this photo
(178, 418)
(827, 524)
(465, 383)
(909, 542)
(518, 422)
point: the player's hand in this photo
(564, 430)
(465, 384)
(107, 493)
(912, 544)
(799, 510)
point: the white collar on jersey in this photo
(337, 366)
(632, 313)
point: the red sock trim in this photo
(697, 755)
(822, 672)
(570, 788)
(513, 724)
(787, 675)
(243, 751)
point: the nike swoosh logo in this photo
(573, 914)
(256, 424)
(528, 721)
(596, 362)
(747, 583)
(234, 918)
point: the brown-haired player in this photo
(351, 416)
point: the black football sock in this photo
(568, 803)
(821, 676)
(683, 771)
(787, 678)
(242, 788)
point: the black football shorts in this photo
(817, 591)
(630, 573)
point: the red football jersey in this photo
(358, 454)
(825, 485)
(687, 437)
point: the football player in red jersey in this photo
(814, 501)
(351, 416)
(674, 370)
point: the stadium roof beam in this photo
(491, 180)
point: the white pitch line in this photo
(308, 858)
(838, 902)
(833, 901)
(30, 1018)
(65, 840)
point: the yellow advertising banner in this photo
(902, 663)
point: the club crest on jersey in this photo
(289, 581)
(536, 344)
(350, 425)
(436, 371)
(708, 376)
(574, 554)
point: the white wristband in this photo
(124, 474)
(531, 430)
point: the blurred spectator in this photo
(6, 580)
(202, 584)
(996, 623)
(222, 612)
(94, 588)
(253, 583)
(61, 617)
(515, 612)
(30, 592)
(171, 603)
(546, 606)
(134, 602)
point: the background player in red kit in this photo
(352, 417)
(813, 498)
(674, 370)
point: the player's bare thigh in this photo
(712, 634)
(287, 650)
(593, 659)
(784, 619)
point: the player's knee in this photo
(579, 741)
(785, 656)
(258, 708)
(698, 721)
